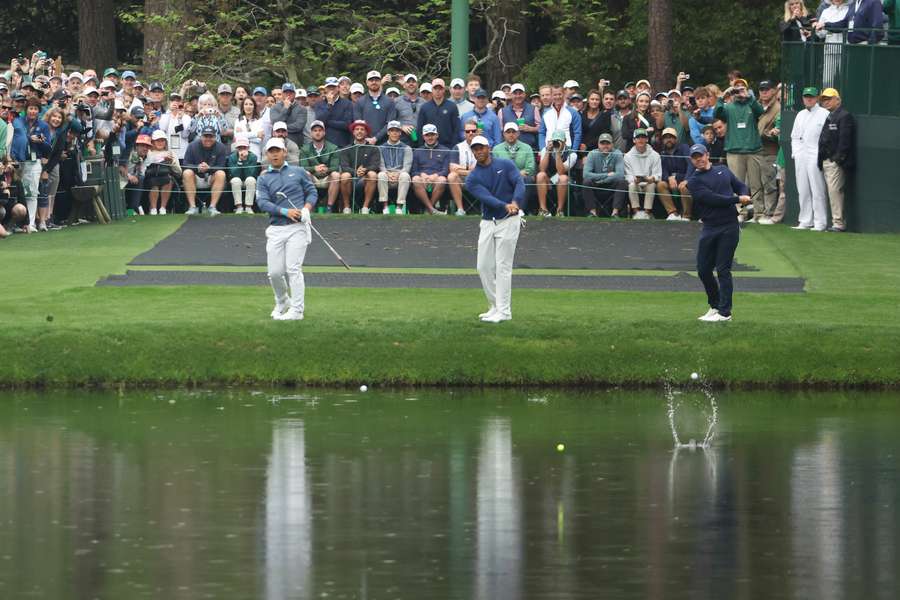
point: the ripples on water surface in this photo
(426, 494)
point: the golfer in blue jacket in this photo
(286, 193)
(498, 186)
(716, 191)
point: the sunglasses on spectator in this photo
(471, 130)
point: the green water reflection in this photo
(426, 494)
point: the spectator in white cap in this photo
(375, 108)
(408, 107)
(557, 160)
(461, 163)
(571, 86)
(396, 162)
(356, 92)
(520, 153)
(344, 86)
(322, 160)
(442, 113)
(74, 83)
(336, 113)
(243, 169)
(430, 167)
(458, 96)
(162, 167)
(497, 184)
(279, 130)
(521, 113)
(227, 108)
(392, 93)
(426, 91)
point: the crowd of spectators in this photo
(618, 151)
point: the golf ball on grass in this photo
(364, 388)
(560, 447)
(695, 376)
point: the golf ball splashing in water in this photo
(674, 401)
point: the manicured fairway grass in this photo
(844, 331)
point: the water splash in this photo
(674, 402)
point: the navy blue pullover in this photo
(496, 185)
(715, 193)
(445, 117)
(292, 181)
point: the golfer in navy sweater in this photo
(497, 184)
(287, 194)
(716, 191)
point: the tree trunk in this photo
(659, 46)
(506, 22)
(97, 34)
(163, 47)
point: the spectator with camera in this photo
(743, 143)
(176, 124)
(31, 144)
(702, 113)
(560, 117)
(604, 178)
(676, 116)
(161, 169)
(643, 170)
(556, 162)
(797, 24)
(208, 117)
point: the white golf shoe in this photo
(718, 317)
(278, 311)
(497, 317)
(162, 210)
(490, 312)
(710, 313)
(290, 315)
(191, 211)
(364, 210)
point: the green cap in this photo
(811, 91)
(110, 71)
(558, 136)
(640, 133)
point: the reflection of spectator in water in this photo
(835, 12)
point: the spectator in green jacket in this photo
(743, 144)
(322, 159)
(521, 154)
(604, 176)
(243, 168)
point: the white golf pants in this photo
(496, 251)
(31, 180)
(285, 251)
(812, 193)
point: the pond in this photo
(437, 494)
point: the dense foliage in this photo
(302, 40)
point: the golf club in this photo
(316, 231)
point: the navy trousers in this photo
(715, 250)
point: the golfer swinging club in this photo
(497, 184)
(716, 191)
(280, 190)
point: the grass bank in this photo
(60, 330)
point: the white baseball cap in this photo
(279, 125)
(511, 126)
(480, 140)
(274, 143)
(570, 84)
(357, 87)
(240, 141)
(373, 75)
(158, 134)
(429, 128)
(76, 75)
(498, 94)
(425, 87)
(118, 104)
(517, 87)
(106, 83)
(392, 90)
(409, 76)
(457, 83)
(90, 90)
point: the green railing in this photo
(867, 76)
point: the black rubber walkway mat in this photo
(438, 242)
(682, 282)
